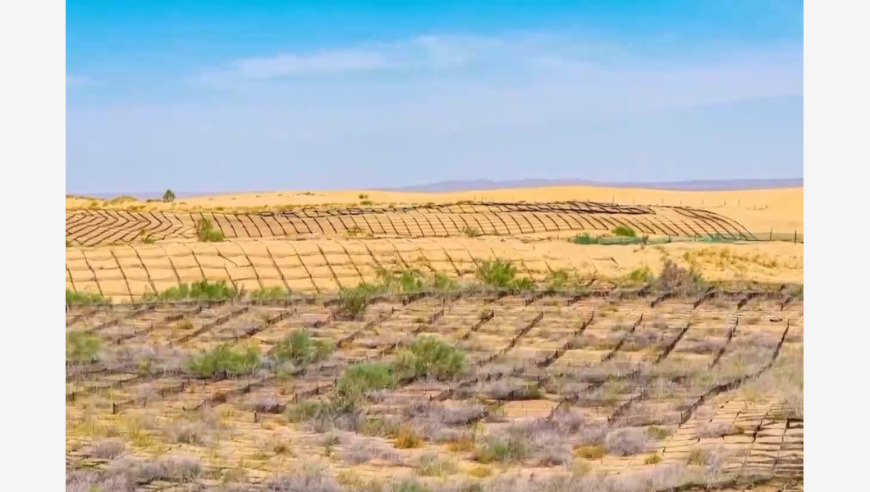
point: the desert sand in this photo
(322, 262)
(759, 210)
(702, 386)
(126, 272)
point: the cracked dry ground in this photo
(611, 390)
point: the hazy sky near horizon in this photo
(239, 96)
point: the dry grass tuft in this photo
(591, 452)
(307, 481)
(431, 465)
(363, 451)
(173, 468)
(714, 429)
(652, 459)
(626, 442)
(408, 439)
(107, 448)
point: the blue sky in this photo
(231, 96)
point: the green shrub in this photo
(75, 298)
(82, 347)
(431, 357)
(524, 283)
(205, 290)
(309, 410)
(225, 359)
(624, 231)
(206, 232)
(361, 378)
(408, 281)
(385, 279)
(197, 291)
(584, 238)
(444, 283)
(411, 281)
(559, 280)
(365, 202)
(352, 302)
(270, 293)
(641, 275)
(497, 273)
(176, 293)
(502, 275)
(168, 196)
(502, 449)
(300, 349)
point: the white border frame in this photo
(32, 153)
(836, 85)
(32, 159)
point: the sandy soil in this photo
(759, 210)
(154, 416)
(234, 443)
(324, 265)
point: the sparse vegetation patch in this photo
(78, 298)
(430, 357)
(359, 379)
(270, 294)
(197, 291)
(82, 347)
(624, 231)
(300, 349)
(502, 275)
(225, 360)
(206, 232)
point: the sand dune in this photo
(780, 210)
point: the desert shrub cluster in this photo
(203, 290)
(225, 360)
(300, 349)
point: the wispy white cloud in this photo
(418, 53)
(521, 75)
(289, 65)
(531, 64)
(458, 107)
(422, 53)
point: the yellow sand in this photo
(127, 272)
(759, 210)
(324, 264)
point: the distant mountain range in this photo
(486, 184)
(710, 185)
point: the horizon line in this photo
(484, 184)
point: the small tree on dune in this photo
(169, 196)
